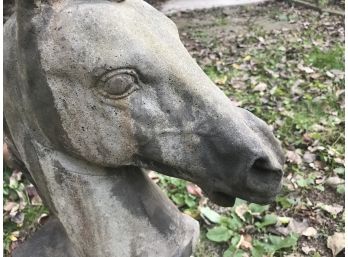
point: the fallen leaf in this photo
(318, 165)
(260, 87)
(295, 90)
(339, 161)
(307, 70)
(194, 190)
(11, 206)
(14, 179)
(13, 238)
(337, 72)
(22, 196)
(247, 58)
(272, 73)
(221, 81)
(284, 220)
(293, 157)
(319, 180)
(31, 190)
(307, 138)
(332, 209)
(245, 242)
(329, 74)
(339, 170)
(297, 226)
(308, 157)
(261, 39)
(237, 84)
(194, 213)
(334, 181)
(336, 243)
(316, 75)
(241, 210)
(306, 249)
(36, 200)
(236, 66)
(294, 226)
(310, 232)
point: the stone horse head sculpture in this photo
(96, 91)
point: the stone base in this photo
(52, 241)
(49, 241)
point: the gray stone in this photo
(97, 91)
(51, 240)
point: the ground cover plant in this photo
(285, 65)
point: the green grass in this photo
(332, 58)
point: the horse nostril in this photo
(263, 169)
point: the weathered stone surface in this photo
(51, 240)
(97, 91)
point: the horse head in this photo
(110, 84)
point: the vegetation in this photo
(287, 67)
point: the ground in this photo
(286, 66)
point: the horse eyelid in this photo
(110, 73)
(107, 75)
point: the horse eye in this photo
(118, 85)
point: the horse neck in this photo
(114, 212)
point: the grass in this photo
(332, 58)
(303, 69)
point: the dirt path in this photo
(173, 6)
